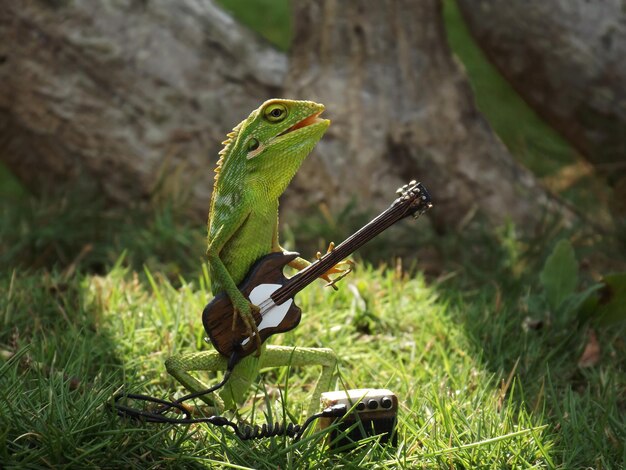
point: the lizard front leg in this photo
(242, 307)
(343, 268)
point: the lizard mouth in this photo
(308, 121)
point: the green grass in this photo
(73, 228)
(10, 187)
(476, 389)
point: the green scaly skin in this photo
(259, 159)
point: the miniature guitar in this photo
(268, 288)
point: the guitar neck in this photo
(386, 219)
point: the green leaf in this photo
(575, 302)
(559, 276)
(607, 305)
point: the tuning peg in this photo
(412, 182)
(399, 191)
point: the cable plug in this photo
(335, 411)
(218, 421)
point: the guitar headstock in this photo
(415, 197)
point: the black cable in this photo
(245, 432)
(157, 416)
(280, 429)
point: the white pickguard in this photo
(272, 314)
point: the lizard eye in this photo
(253, 144)
(275, 112)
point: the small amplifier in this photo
(374, 412)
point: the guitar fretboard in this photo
(401, 208)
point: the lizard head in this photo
(276, 138)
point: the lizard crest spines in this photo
(223, 154)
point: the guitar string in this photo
(351, 244)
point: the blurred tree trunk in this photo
(566, 58)
(401, 108)
(135, 94)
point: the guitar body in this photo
(265, 277)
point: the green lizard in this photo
(259, 159)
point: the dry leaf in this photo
(569, 175)
(591, 354)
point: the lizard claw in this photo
(335, 280)
(331, 247)
(343, 268)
